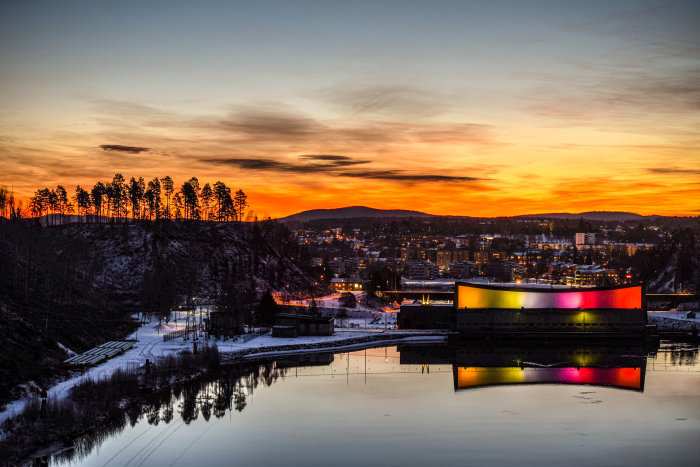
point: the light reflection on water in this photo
(484, 404)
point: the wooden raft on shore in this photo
(100, 353)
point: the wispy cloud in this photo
(280, 124)
(400, 101)
(632, 96)
(668, 29)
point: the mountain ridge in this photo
(351, 212)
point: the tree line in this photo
(9, 208)
(156, 199)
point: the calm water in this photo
(601, 404)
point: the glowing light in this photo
(476, 296)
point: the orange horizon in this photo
(304, 205)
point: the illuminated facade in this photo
(488, 308)
(489, 296)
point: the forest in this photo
(137, 199)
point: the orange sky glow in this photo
(484, 114)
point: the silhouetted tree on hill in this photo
(168, 189)
(267, 310)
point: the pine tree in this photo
(97, 195)
(82, 199)
(119, 195)
(240, 203)
(168, 188)
(267, 310)
(136, 193)
(154, 198)
(206, 196)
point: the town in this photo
(357, 254)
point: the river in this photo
(482, 403)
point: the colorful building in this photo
(483, 309)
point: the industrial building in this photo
(479, 309)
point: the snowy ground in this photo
(149, 345)
(333, 301)
(362, 316)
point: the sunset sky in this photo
(482, 108)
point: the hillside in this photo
(354, 212)
(590, 215)
(75, 286)
(351, 212)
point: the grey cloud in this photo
(280, 124)
(119, 147)
(325, 157)
(328, 163)
(400, 176)
(338, 161)
(673, 171)
(331, 166)
(267, 124)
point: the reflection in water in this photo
(469, 377)
(620, 364)
(214, 394)
(475, 364)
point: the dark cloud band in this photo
(119, 147)
(673, 171)
(331, 165)
(400, 176)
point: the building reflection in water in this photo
(619, 364)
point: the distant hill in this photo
(351, 212)
(367, 212)
(591, 215)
